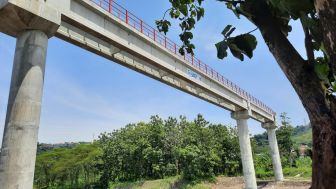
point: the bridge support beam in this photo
(245, 148)
(274, 150)
(17, 160)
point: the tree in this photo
(313, 78)
(169, 147)
(284, 135)
(67, 167)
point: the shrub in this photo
(300, 171)
(260, 173)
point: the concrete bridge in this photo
(107, 29)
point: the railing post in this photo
(126, 16)
(110, 6)
(154, 33)
(192, 59)
(199, 64)
(141, 26)
(165, 41)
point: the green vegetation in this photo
(289, 139)
(67, 167)
(172, 153)
(159, 149)
(304, 137)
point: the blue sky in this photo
(85, 94)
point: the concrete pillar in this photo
(17, 160)
(274, 150)
(245, 149)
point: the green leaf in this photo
(230, 32)
(184, 9)
(294, 7)
(322, 69)
(163, 25)
(246, 43)
(222, 49)
(226, 29)
(200, 13)
(333, 85)
(236, 52)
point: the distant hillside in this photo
(43, 147)
(303, 134)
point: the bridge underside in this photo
(86, 24)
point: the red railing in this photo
(123, 14)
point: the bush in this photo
(303, 168)
(263, 162)
(262, 174)
(300, 171)
(304, 162)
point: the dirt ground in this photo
(238, 183)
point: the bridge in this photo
(111, 31)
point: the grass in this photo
(297, 172)
(303, 172)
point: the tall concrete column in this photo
(245, 149)
(274, 150)
(17, 160)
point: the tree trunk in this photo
(326, 10)
(320, 108)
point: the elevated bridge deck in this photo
(107, 29)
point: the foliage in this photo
(169, 147)
(261, 139)
(263, 162)
(264, 169)
(284, 136)
(67, 167)
(262, 174)
(303, 168)
(178, 152)
(302, 129)
(303, 138)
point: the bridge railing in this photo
(123, 14)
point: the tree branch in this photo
(308, 44)
(164, 15)
(232, 1)
(252, 31)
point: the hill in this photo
(300, 135)
(303, 135)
